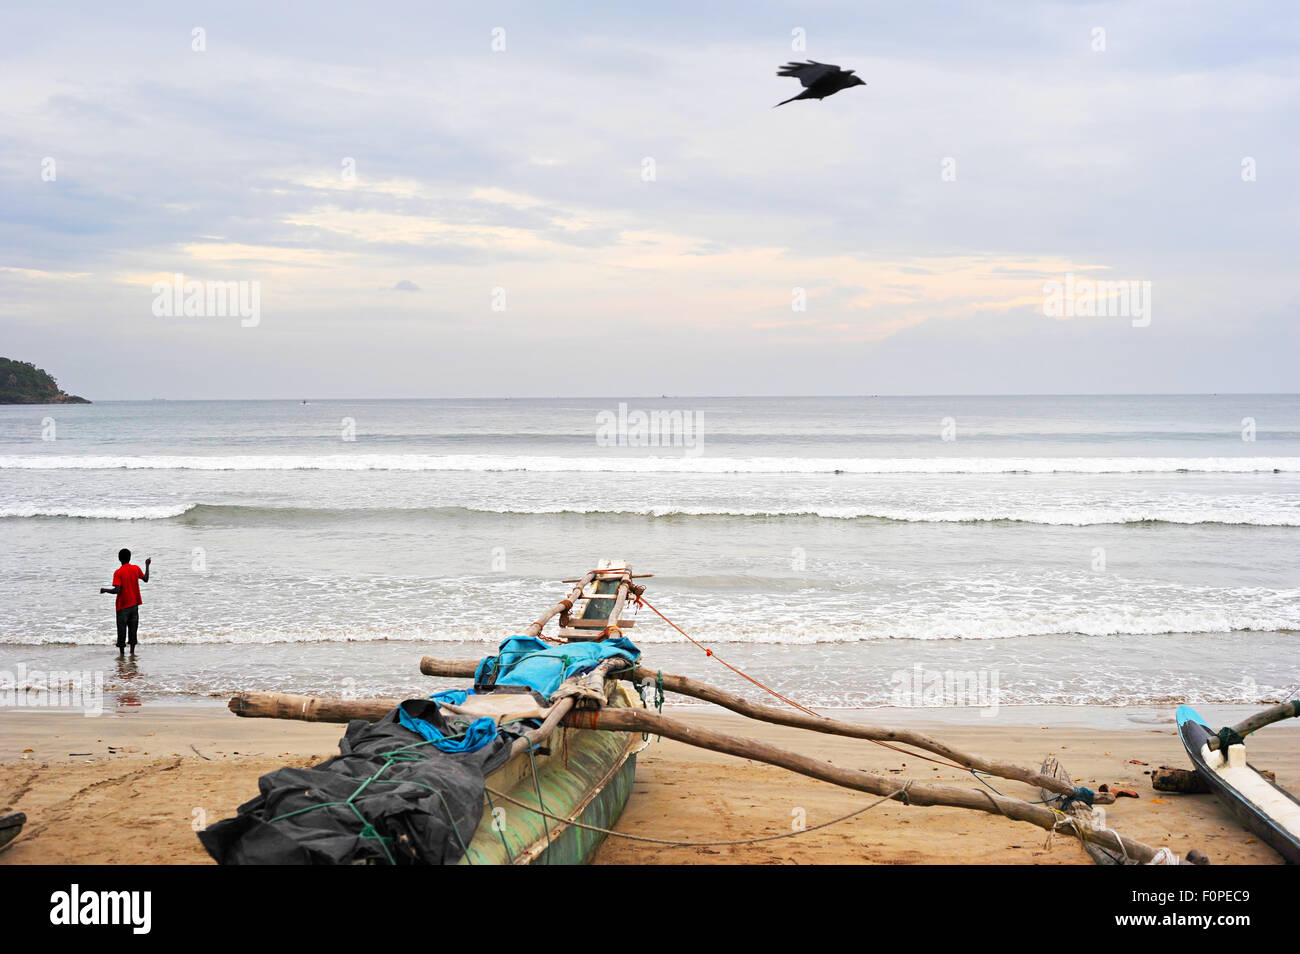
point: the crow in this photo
(819, 79)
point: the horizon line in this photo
(662, 397)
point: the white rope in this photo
(1082, 831)
(1118, 840)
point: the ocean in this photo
(848, 552)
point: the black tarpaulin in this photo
(389, 797)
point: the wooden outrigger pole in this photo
(824, 724)
(1283, 710)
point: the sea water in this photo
(846, 551)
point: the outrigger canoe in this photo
(507, 771)
(1269, 811)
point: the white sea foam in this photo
(661, 465)
(750, 630)
(163, 512)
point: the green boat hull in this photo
(586, 777)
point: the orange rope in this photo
(639, 601)
(709, 652)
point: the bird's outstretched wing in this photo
(808, 73)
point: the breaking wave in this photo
(1263, 514)
(163, 512)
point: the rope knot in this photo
(1228, 737)
(1080, 794)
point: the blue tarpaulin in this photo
(479, 733)
(520, 661)
(527, 661)
(452, 697)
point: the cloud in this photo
(321, 161)
(406, 286)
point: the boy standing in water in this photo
(126, 584)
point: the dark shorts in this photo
(128, 621)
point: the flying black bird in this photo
(819, 79)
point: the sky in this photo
(532, 199)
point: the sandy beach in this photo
(133, 785)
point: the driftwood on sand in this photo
(1183, 781)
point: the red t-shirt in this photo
(127, 576)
